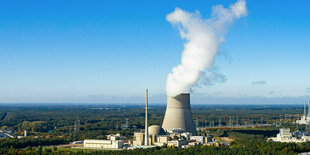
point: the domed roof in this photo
(156, 130)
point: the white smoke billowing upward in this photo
(204, 37)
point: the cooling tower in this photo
(178, 114)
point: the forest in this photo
(49, 125)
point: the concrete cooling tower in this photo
(178, 114)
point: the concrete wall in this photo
(178, 114)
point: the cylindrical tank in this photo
(156, 130)
(178, 114)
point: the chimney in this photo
(305, 109)
(146, 139)
(309, 109)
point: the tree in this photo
(28, 148)
(39, 149)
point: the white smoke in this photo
(204, 37)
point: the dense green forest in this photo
(45, 118)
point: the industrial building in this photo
(178, 114)
(162, 140)
(115, 137)
(138, 139)
(178, 124)
(286, 136)
(156, 135)
(154, 132)
(200, 139)
(103, 144)
(177, 143)
(114, 141)
(305, 119)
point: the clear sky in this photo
(110, 51)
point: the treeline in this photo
(36, 126)
(24, 142)
(98, 120)
(154, 151)
(63, 116)
(3, 116)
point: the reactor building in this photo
(178, 114)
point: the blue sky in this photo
(110, 51)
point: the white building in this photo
(104, 144)
(305, 119)
(78, 142)
(115, 137)
(286, 136)
(176, 143)
(174, 130)
(199, 139)
(138, 139)
(163, 139)
(186, 135)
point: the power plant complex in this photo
(178, 129)
(178, 114)
(305, 119)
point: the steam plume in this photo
(204, 37)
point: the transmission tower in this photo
(76, 127)
(126, 125)
(210, 124)
(237, 124)
(197, 123)
(220, 122)
(230, 122)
